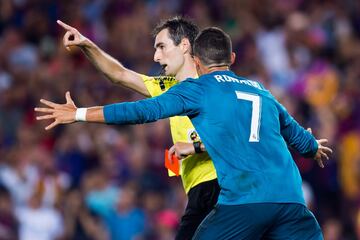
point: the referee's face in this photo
(170, 56)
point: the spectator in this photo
(9, 227)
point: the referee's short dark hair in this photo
(179, 28)
(213, 47)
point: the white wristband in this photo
(80, 114)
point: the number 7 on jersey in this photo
(255, 115)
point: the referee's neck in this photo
(188, 70)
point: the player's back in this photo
(240, 124)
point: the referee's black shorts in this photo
(201, 200)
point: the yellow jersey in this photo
(196, 168)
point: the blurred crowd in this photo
(93, 181)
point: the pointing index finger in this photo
(64, 25)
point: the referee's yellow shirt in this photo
(196, 168)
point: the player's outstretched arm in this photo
(66, 113)
(174, 102)
(109, 66)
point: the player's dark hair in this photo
(179, 28)
(213, 47)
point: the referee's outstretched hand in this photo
(61, 113)
(72, 37)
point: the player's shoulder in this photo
(190, 86)
(190, 83)
(191, 80)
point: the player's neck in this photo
(216, 68)
(209, 69)
(188, 70)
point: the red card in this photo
(172, 164)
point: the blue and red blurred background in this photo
(92, 181)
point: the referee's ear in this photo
(185, 46)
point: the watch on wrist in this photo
(197, 146)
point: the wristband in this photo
(197, 147)
(80, 114)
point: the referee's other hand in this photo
(181, 150)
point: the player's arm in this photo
(300, 139)
(109, 66)
(176, 101)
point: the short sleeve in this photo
(159, 84)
